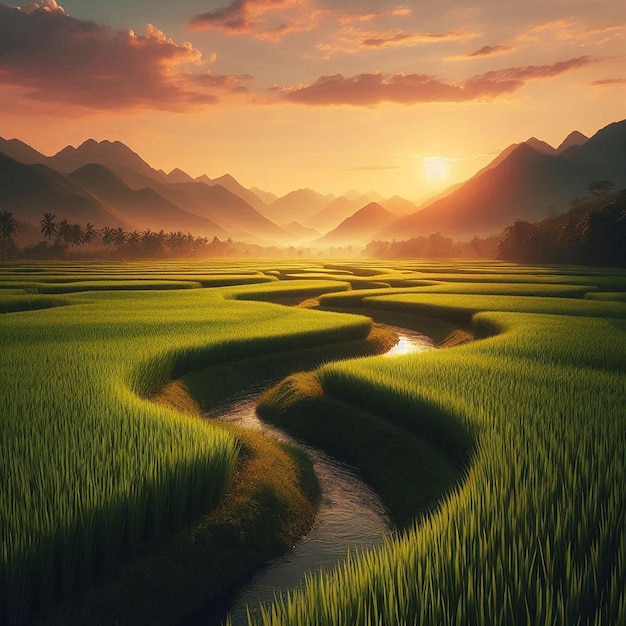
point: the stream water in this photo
(350, 514)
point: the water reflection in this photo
(350, 514)
(410, 341)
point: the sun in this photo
(435, 168)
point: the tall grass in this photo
(90, 467)
(536, 534)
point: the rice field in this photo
(90, 467)
(533, 531)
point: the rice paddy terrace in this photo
(502, 461)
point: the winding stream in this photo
(350, 512)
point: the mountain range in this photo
(530, 182)
(108, 184)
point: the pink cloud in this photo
(52, 57)
(609, 82)
(488, 51)
(350, 39)
(574, 30)
(372, 89)
(387, 40)
(351, 17)
(264, 19)
(273, 19)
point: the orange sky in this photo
(334, 95)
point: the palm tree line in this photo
(65, 235)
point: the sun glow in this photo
(435, 168)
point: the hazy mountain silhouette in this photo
(399, 205)
(359, 228)
(143, 208)
(178, 176)
(267, 197)
(603, 156)
(300, 206)
(21, 151)
(225, 208)
(114, 155)
(300, 233)
(335, 212)
(228, 182)
(28, 191)
(527, 184)
(575, 138)
(533, 142)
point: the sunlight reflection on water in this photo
(350, 514)
(409, 342)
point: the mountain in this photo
(143, 208)
(301, 234)
(334, 213)
(540, 146)
(533, 142)
(399, 205)
(527, 184)
(352, 194)
(359, 228)
(575, 138)
(21, 151)
(28, 191)
(228, 182)
(299, 206)
(266, 196)
(178, 176)
(114, 155)
(603, 156)
(219, 205)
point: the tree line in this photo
(61, 236)
(434, 246)
(592, 233)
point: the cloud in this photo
(350, 17)
(413, 39)
(273, 19)
(481, 53)
(372, 89)
(489, 51)
(50, 6)
(54, 58)
(350, 39)
(264, 19)
(609, 82)
(574, 31)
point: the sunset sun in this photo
(435, 168)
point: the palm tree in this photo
(76, 235)
(48, 225)
(8, 225)
(8, 228)
(119, 236)
(63, 231)
(90, 233)
(107, 236)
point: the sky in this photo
(405, 97)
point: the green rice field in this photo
(529, 420)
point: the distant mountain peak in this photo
(178, 176)
(539, 145)
(372, 209)
(575, 138)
